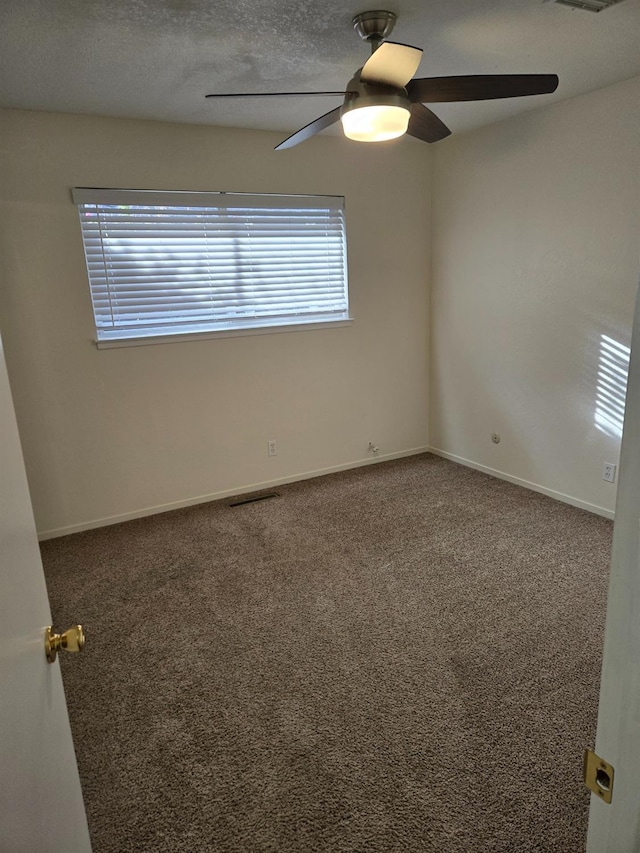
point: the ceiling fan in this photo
(383, 100)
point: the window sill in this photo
(177, 337)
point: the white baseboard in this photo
(214, 496)
(518, 481)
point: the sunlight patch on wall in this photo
(613, 369)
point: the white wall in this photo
(112, 433)
(535, 256)
(536, 229)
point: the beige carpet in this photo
(403, 657)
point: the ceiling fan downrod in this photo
(374, 26)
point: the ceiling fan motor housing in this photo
(373, 112)
(361, 94)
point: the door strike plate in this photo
(598, 775)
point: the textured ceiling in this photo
(157, 59)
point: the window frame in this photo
(299, 312)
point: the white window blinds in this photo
(164, 263)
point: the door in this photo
(615, 828)
(41, 804)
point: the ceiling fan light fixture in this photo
(377, 113)
(375, 123)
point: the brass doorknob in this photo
(71, 641)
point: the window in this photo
(174, 263)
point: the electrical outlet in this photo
(609, 472)
(272, 448)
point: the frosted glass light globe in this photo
(375, 123)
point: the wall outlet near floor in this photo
(609, 472)
(272, 447)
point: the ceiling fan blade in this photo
(310, 129)
(392, 64)
(480, 87)
(271, 94)
(426, 125)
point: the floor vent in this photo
(251, 499)
(588, 5)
